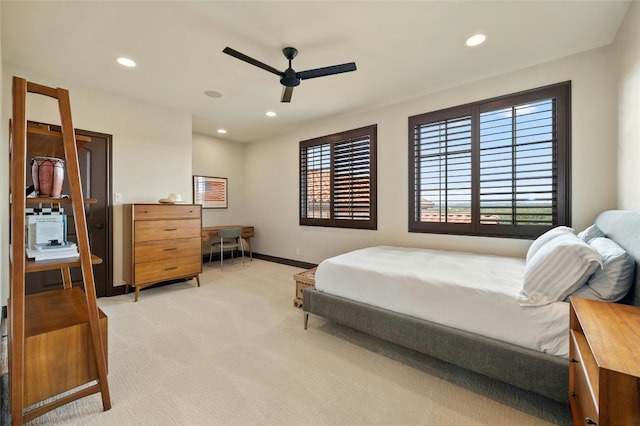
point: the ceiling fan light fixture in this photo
(475, 40)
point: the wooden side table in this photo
(303, 280)
(604, 367)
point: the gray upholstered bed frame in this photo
(527, 369)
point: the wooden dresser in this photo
(604, 367)
(162, 242)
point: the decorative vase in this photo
(48, 175)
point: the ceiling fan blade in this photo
(321, 72)
(286, 94)
(249, 60)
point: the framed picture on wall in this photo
(211, 192)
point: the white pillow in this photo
(590, 233)
(545, 238)
(614, 280)
(586, 292)
(558, 269)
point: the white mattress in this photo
(471, 292)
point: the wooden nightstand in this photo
(604, 367)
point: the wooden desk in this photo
(210, 232)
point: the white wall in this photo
(151, 148)
(627, 50)
(272, 189)
(218, 158)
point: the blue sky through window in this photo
(516, 159)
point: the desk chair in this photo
(230, 239)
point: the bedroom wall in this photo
(627, 60)
(151, 148)
(593, 124)
(217, 158)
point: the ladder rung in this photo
(42, 90)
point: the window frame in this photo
(333, 140)
(561, 205)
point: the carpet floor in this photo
(234, 352)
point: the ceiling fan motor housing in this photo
(290, 78)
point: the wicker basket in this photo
(303, 280)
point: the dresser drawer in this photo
(584, 378)
(167, 269)
(167, 229)
(247, 232)
(147, 251)
(165, 211)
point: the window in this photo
(499, 167)
(338, 180)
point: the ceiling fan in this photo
(290, 78)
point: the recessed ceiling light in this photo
(213, 93)
(126, 62)
(222, 131)
(270, 114)
(475, 40)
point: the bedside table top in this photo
(613, 333)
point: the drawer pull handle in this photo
(171, 268)
(573, 360)
(171, 229)
(171, 249)
(573, 394)
(588, 421)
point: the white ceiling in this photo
(402, 50)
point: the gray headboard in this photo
(623, 226)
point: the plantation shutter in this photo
(443, 165)
(315, 166)
(498, 167)
(518, 165)
(338, 180)
(351, 179)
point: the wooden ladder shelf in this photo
(53, 317)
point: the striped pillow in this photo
(543, 239)
(557, 269)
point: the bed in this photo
(539, 366)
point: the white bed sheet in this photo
(471, 292)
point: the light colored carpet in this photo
(234, 352)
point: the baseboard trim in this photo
(285, 261)
(205, 259)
